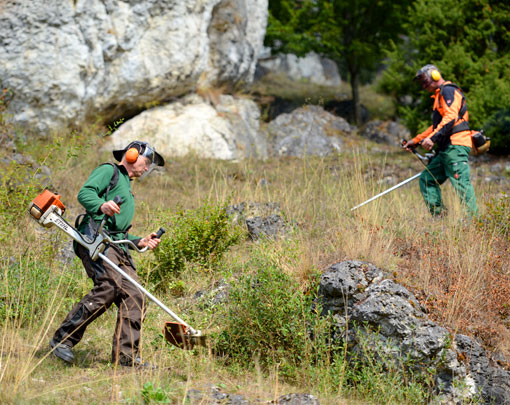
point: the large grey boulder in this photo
(228, 130)
(308, 130)
(389, 132)
(311, 67)
(69, 61)
(377, 317)
(262, 220)
(236, 35)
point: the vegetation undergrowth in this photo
(265, 339)
(270, 322)
(197, 237)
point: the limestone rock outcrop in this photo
(228, 130)
(66, 62)
(380, 318)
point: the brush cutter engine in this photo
(47, 210)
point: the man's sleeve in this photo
(423, 135)
(452, 103)
(96, 184)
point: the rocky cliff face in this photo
(68, 61)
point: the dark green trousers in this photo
(452, 164)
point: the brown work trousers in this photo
(110, 287)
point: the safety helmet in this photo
(427, 74)
(139, 148)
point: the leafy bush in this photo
(268, 317)
(200, 237)
(498, 129)
(152, 394)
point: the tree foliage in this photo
(469, 41)
(354, 34)
(288, 28)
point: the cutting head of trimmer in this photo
(179, 335)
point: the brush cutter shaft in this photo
(47, 210)
(387, 191)
(148, 294)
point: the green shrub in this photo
(199, 237)
(498, 129)
(152, 394)
(268, 317)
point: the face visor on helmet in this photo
(425, 76)
(423, 80)
(145, 150)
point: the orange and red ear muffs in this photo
(132, 155)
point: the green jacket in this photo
(92, 195)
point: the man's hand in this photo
(409, 145)
(110, 208)
(151, 241)
(427, 143)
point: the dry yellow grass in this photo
(447, 262)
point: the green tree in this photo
(288, 27)
(469, 41)
(355, 34)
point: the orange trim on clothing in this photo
(448, 113)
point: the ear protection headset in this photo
(136, 149)
(132, 155)
(435, 75)
(427, 74)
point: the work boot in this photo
(137, 363)
(62, 351)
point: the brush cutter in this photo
(47, 210)
(423, 159)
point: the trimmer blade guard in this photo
(178, 335)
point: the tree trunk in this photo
(355, 96)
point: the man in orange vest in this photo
(450, 132)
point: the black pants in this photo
(109, 287)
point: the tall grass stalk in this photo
(452, 265)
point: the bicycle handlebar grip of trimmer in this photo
(118, 200)
(160, 232)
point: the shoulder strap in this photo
(450, 84)
(463, 108)
(113, 181)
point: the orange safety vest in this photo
(450, 119)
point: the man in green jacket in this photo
(97, 197)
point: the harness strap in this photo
(463, 125)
